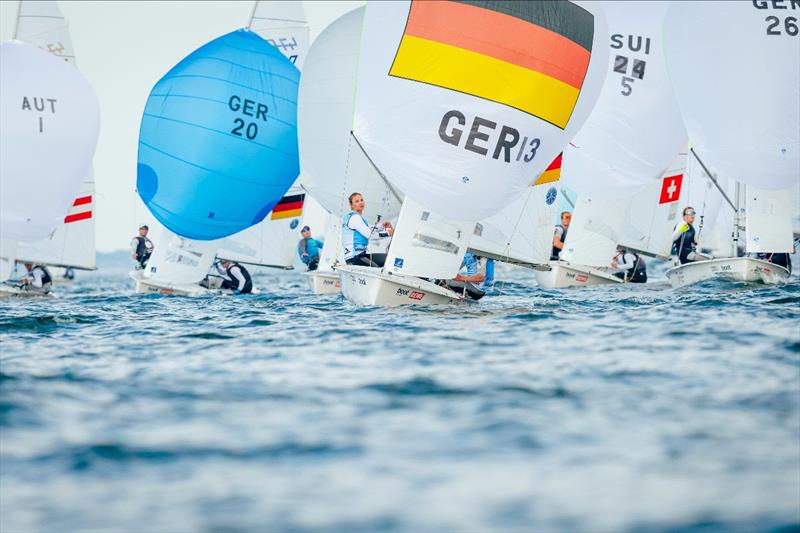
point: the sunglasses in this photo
(690, 213)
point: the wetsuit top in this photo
(488, 282)
(309, 245)
(142, 246)
(241, 277)
(40, 277)
(683, 242)
(633, 265)
(561, 233)
(355, 235)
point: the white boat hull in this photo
(744, 269)
(324, 282)
(371, 286)
(10, 291)
(563, 275)
(152, 286)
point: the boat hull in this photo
(10, 291)
(563, 275)
(152, 286)
(324, 282)
(743, 269)
(370, 286)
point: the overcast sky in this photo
(123, 48)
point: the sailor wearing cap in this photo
(309, 248)
(685, 239)
(141, 247)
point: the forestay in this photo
(332, 161)
(635, 130)
(283, 24)
(735, 68)
(460, 103)
(426, 244)
(49, 122)
(522, 233)
(218, 139)
(41, 24)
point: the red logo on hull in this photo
(417, 295)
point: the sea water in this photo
(622, 408)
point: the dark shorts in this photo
(369, 260)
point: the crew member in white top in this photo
(37, 279)
(632, 268)
(356, 233)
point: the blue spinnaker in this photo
(218, 140)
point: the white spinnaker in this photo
(735, 68)
(635, 129)
(523, 231)
(426, 244)
(73, 242)
(332, 163)
(41, 24)
(594, 231)
(404, 124)
(283, 24)
(713, 213)
(652, 213)
(768, 219)
(180, 261)
(49, 122)
(332, 250)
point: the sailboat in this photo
(734, 131)
(331, 159)
(460, 124)
(72, 245)
(627, 147)
(217, 152)
(273, 242)
(49, 122)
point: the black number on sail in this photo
(238, 129)
(789, 24)
(621, 64)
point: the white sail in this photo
(41, 24)
(426, 244)
(73, 242)
(331, 253)
(522, 232)
(768, 219)
(49, 122)
(594, 231)
(177, 260)
(332, 163)
(735, 68)
(652, 213)
(283, 24)
(635, 129)
(458, 112)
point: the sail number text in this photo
(41, 105)
(506, 143)
(248, 108)
(777, 25)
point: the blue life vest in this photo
(488, 282)
(352, 241)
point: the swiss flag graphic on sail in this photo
(81, 210)
(671, 189)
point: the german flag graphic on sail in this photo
(288, 207)
(551, 173)
(532, 56)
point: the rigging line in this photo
(713, 180)
(381, 174)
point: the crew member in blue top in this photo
(685, 239)
(356, 233)
(309, 248)
(477, 270)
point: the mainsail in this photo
(283, 24)
(41, 24)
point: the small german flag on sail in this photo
(288, 207)
(551, 173)
(532, 56)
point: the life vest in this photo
(144, 248)
(684, 245)
(248, 281)
(555, 253)
(637, 274)
(45, 275)
(352, 241)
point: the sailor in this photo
(560, 235)
(476, 276)
(632, 268)
(141, 247)
(780, 259)
(239, 280)
(309, 248)
(37, 279)
(69, 273)
(685, 239)
(356, 233)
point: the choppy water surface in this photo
(609, 409)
